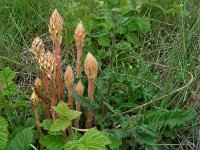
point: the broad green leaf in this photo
(131, 37)
(52, 142)
(104, 41)
(22, 140)
(72, 114)
(91, 140)
(47, 124)
(3, 132)
(60, 124)
(61, 109)
(143, 25)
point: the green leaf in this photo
(60, 124)
(10, 89)
(52, 142)
(61, 109)
(7, 75)
(91, 140)
(72, 114)
(47, 124)
(131, 37)
(22, 140)
(3, 132)
(104, 41)
(143, 25)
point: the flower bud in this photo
(79, 88)
(91, 66)
(56, 26)
(37, 47)
(34, 99)
(79, 35)
(38, 83)
(69, 76)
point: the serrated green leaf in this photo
(22, 140)
(52, 142)
(91, 140)
(72, 114)
(143, 25)
(131, 37)
(3, 132)
(47, 124)
(61, 108)
(104, 41)
(60, 124)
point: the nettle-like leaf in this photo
(22, 140)
(92, 139)
(143, 25)
(66, 117)
(53, 142)
(61, 109)
(60, 124)
(7, 86)
(3, 132)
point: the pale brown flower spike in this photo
(69, 80)
(79, 90)
(55, 29)
(91, 68)
(35, 101)
(79, 36)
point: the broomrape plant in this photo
(61, 116)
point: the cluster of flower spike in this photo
(49, 64)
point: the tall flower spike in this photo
(79, 35)
(56, 26)
(69, 76)
(91, 66)
(37, 47)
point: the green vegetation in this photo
(147, 89)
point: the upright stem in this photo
(53, 101)
(90, 96)
(70, 101)
(78, 108)
(59, 80)
(37, 121)
(79, 55)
